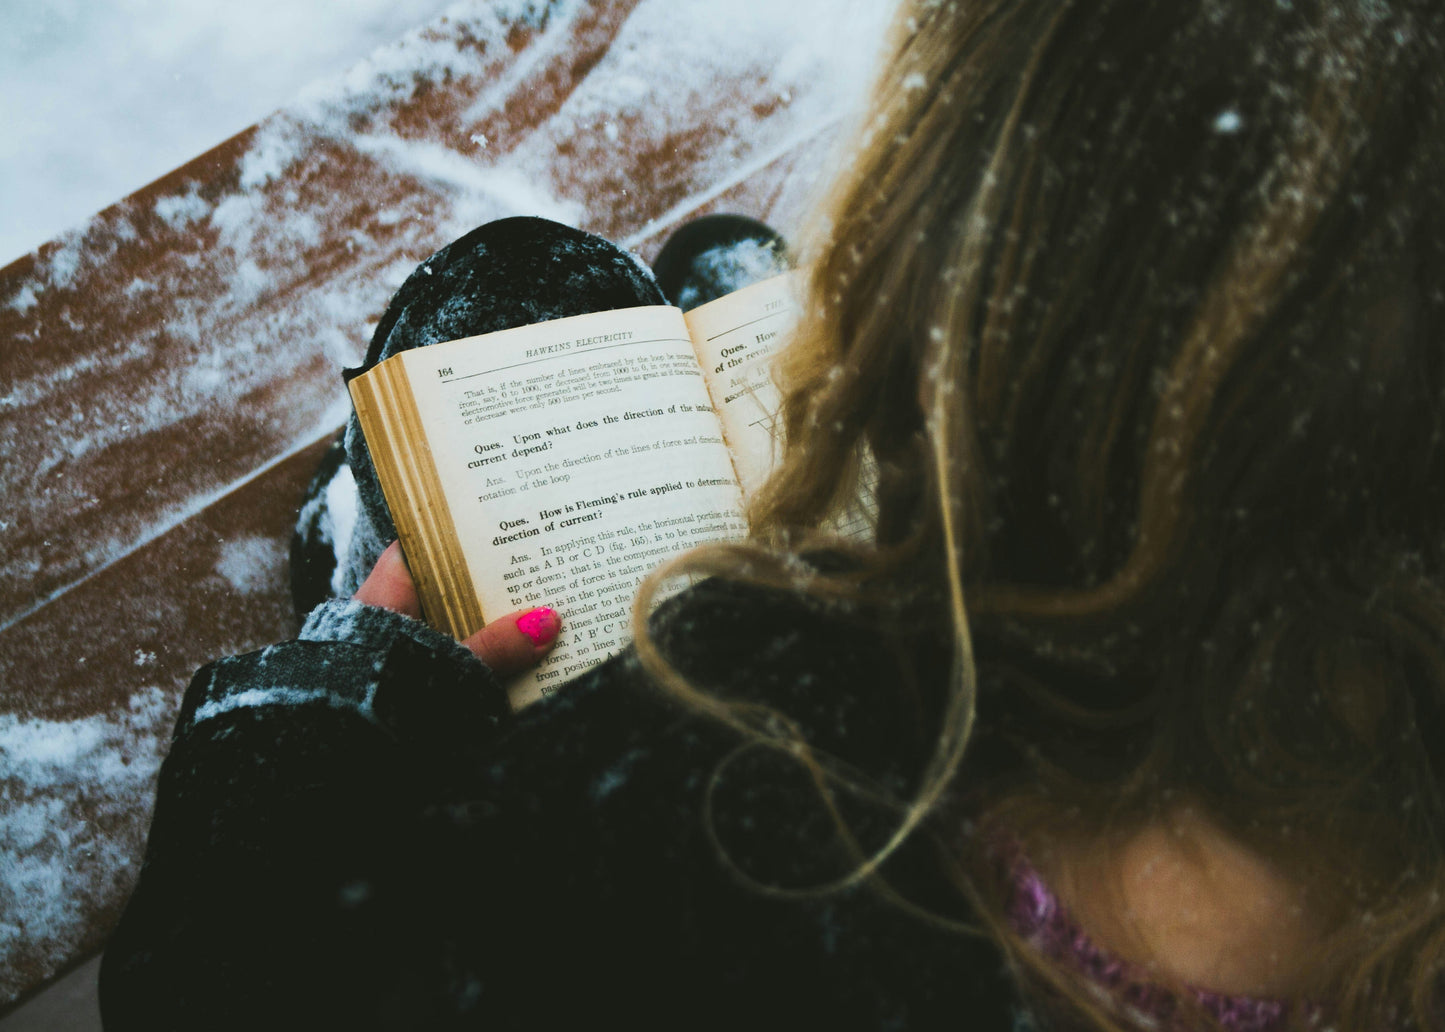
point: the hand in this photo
(509, 644)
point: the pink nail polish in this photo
(541, 625)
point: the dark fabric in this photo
(348, 834)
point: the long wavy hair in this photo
(1129, 321)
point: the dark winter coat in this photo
(352, 831)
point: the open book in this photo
(559, 463)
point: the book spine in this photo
(406, 468)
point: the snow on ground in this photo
(100, 97)
(68, 786)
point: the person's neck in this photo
(1186, 901)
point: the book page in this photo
(575, 456)
(737, 337)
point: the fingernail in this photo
(541, 625)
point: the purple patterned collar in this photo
(1042, 920)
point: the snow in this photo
(1228, 122)
(181, 210)
(252, 565)
(103, 96)
(253, 237)
(721, 269)
(342, 501)
(59, 864)
(277, 696)
(477, 188)
(25, 299)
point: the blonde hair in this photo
(1133, 312)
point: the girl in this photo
(1126, 323)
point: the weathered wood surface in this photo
(170, 370)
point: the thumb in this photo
(389, 585)
(511, 644)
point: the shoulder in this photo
(674, 848)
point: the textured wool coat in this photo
(352, 831)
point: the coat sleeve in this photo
(296, 778)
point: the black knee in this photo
(512, 272)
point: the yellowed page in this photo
(736, 338)
(576, 456)
(401, 453)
